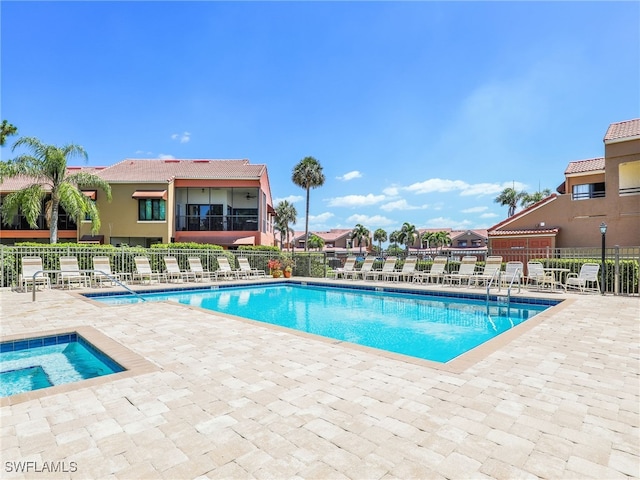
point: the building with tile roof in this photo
(595, 191)
(223, 202)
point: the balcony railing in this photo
(217, 223)
(65, 222)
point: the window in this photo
(151, 209)
(588, 190)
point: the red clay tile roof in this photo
(135, 170)
(525, 231)
(583, 166)
(17, 183)
(623, 130)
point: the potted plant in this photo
(288, 264)
(275, 268)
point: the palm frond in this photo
(28, 201)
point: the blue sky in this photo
(419, 112)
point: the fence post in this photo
(616, 274)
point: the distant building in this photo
(222, 202)
(594, 191)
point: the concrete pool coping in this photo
(231, 399)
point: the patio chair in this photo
(174, 272)
(224, 269)
(388, 267)
(436, 272)
(512, 274)
(465, 272)
(538, 277)
(144, 272)
(247, 271)
(365, 268)
(102, 273)
(587, 280)
(348, 266)
(198, 271)
(406, 274)
(490, 271)
(70, 273)
(33, 266)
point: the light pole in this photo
(603, 231)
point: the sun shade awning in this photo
(142, 194)
(224, 241)
(92, 194)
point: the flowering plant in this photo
(274, 264)
(288, 264)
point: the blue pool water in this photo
(36, 363)
(428, 327)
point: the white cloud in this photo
(443, 222)
(391, 191)
(398, 205)
(436, 185)
(350, 176)
(323, 217)
(183, 137)
(356, 200)
(290, 199)
(166, 156)
(489, 215)
(474, 210)
(371, 221)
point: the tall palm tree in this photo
(315, 242)
(48, 169)
(308, 174)
(442, 239)
(380, 236)
(428, 238)
(6, 129)
(361, 233)
(286, 214)
(408, 234)
(511, 198)
(530, 199)
(394, 237)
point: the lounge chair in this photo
(145, 273)
(512, 275)
(365, 268)
(406, 274)
(388, 267)
(224, 269)
(174, 272)
(247, 271)
(70, 273)
(587, 280)
(348, 266)
(33, 266)
(436, 272)
(102, 273)
(198, 271)
(490, 271)
(465, 272)
(538, 277)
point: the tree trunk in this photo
(306, 225)
(53, 221)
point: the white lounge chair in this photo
(365, 268)
(536, 276)
(198, 271)
(436, 272)
(587, 280)
(490, 271)
(102, 273)
(512, 274)
(224, 269)
(388, 267)
(33, 266)
(348, 266)
(70, 273)
(465, 272)
(175, 273)
(145, 273)
(247, 271)
(406, 273)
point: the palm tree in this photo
(442, 239)
(428, 238)
(6, 129)
(48, 169)
(361, 233)
(308, 174)
(530, 199)
(510, 197)
(394, 237)
(286, 214)
(408, 234)
(315, 242)
(380, 236)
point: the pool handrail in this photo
(110, 277)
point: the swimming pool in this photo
(40, 362)
(437, 328)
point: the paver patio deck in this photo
(236, 399)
